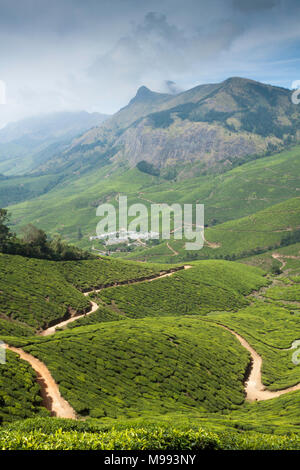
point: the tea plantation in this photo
(19, 391)
(208, 285)
(89, 274)
(141, 367)
(257, 233)
(151, 368)
(262, 325)
(34, 292)
(37, 293)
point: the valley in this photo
(149, 344)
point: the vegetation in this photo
(261, 325)
(88, 274)
(208, 285)
(241, 191)
(263, 231)
(58, 434)
(34, 292)
(149, 168)
(19, 392)
(145, 367)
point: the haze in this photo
(94, 54)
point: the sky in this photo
(94, 54)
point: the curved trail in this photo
(175, 253)
(52, 399)
(59, 407)
(52, 329)
(254, 388)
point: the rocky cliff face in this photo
(210, 124)
(187, 142)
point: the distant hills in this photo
(30, 142)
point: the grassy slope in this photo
(20, 188)
(208, 285)
(262, 325)
(19, 392)
(108, 351)
(266, 261)
(262, 230)
(35, 293)
(105, 271)
(239, 192)
(145, 367)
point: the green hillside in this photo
(19, 391)
(157, 364)
(37, 293)
(234, 194)
(34, 293)
(289, 258)
(271, 228)
(145, 367)
(206, 286)
(149, 373)
(262, 326)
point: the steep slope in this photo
(214, 125)
(35, 293)
(207, 286)
(240, 117)
(145, 367)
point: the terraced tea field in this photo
(208, 285)
(178, 362)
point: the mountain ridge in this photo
(210, 124)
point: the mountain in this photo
(213, 126)
(31, 141)
(212, 144)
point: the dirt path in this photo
(52, 399)
(280, 259)
(52, 329)
(172, 249)
(211, 244)
(254, 388)
(59, 407)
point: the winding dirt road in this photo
(52, 399)
(254, 388)
(59, 407)
(175, 253)
(52, 329)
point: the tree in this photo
(5, 233)
(34, 236)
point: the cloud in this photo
(255, 5)
(172, 88)
(156, 49)
(94, 54)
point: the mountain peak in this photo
(144, 91)
(144, 95)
